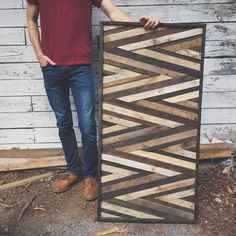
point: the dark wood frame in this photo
(122, 23)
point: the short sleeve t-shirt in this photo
(66, 30)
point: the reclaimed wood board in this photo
(150, 112)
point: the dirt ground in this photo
(68, 214)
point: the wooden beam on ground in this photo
(31, 153)
(22, 182)
(8, 164)
(214, 150)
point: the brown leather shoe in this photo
(66, 182)
(90, 188)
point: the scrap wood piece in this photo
(110, 231)
(39, 208)
(5, 205)
(24, 181)
(26, 206)
(214, 150)
(22, 163)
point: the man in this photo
(65, 56)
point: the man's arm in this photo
(32, 25)
(116, 14)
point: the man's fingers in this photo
(149, 23)
(156, 23)
(50, 61)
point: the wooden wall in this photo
(26, 120)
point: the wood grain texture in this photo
(150, 107)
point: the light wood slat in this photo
(120, 73)
(109, 215)
(159, 141)
(177, 195)
(183, 45)
(189, 104)
(139, 165)
(158, 189)
(126, 34)
(182, 203)
(134, 84)
(128, 135)
(190, 53)
(182, 97)
(111, 177)
(29, 163)
(168, 58)
(161, 91)
(117, 170)
(165, 159)
(127, 211)
(163, 39)
(170, 110)
(119, 121)
(113, 129)
(141, 65)
(186, 153)
(139, 115)
(132, 182)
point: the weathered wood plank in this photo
(23, 87)
(31, 119)
(220, 49)
(179, 13)
(160, 2)
(214, 31)
(12, 36)
(15, 54)
(15, 71)
(34, 153)
(219, 100)
(15, 104)
(10, 54)
(215, 150)
(219, 83)
(218, 131)
(176, 13)
(9, 164)
(11, 4)
(221, 31)
(31, 146)
(40, 103)
(11, 136)
(218, 116)
(219, 67)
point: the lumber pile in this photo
(42, 158)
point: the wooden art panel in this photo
(150, 107)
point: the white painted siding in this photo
(26, 119)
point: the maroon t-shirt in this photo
(66, 30)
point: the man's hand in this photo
(149, 22)
(44, 60)
(116, 14)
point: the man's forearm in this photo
(118, 15)
(34, 37)
(113, 12)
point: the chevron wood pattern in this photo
(150, 107)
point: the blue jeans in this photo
(57, 82)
